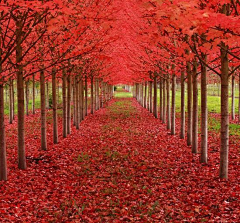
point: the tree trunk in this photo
(92, 97)
(195, 110)
(204, 114)
(189, 104)
(161, 98)
(47, 95)
(80, 100)
(77, 101)
(54, 105)
(164, 101)
(69, 89)
(20, 95)
(86, 97)
(150, 93)
(10, 102)
(27, 95)
(173, 131)
(168, 104)
(182, 131)
(74, 102)
(233, 98)
(155, 112)
(3, 156)
(33, 94)
(239, 98)
(145, 95)
(223, 172)
(13, 101)
(64, 102)
(43, 112)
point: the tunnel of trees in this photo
(72, 53)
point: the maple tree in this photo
(85, 48)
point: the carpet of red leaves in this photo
(121, 166)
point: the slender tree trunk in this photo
(13, 101)
(195, 110)
(145, 97)
(54, 105)
(77, 102)
(47, 95)
(182, 131)
(10, 103)
(3, 156)
(27, 95)
(92, 97)
(80, 100)
(86, 97)
(164, 101)
(168, 104)
(204, 114)
(161, 98)
(64, 99)
(95, 94)
(189, 105)
(223, 172)
(239, 98)
(43, 112)
(233, 98)
(155, 112)
(74, 102)
(173, 131)
(69, 90)
(20, 95)
(33, 94)
(151, 97)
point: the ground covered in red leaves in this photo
(122, 165)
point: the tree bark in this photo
(74, 102)
(80, 100)
(161, 98)
(47, 95)
(164, 101)
(173, 125)
(204, 114)
(69, 91)
(92, 96)
(54, 105)
(33, 94)
(86, 97)
(233, 98)
(10, 102)
(3, 156)
(195, 109)
(43, 112)
(145, 95)
(27, 95)
(151, 97)
(182, 131)
(168, 104)
(20, 95)
(239, 97)
(155, 112)
(64, 101)
(13, 101)
(77, 101)
(189, 105)
(223, 172)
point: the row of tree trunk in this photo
(75, 97)
(146, 95)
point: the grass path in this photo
(122, 166)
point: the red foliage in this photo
(120, 166)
